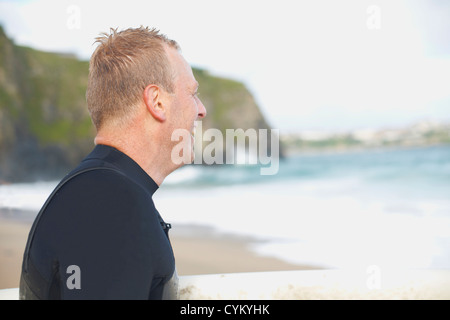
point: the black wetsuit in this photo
(99, 236)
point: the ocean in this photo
(389, 208)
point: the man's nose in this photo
(201, 110)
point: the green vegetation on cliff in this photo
(45, 128)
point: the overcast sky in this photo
(311, 65)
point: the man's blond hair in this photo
(122, 65)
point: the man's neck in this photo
(147, 155)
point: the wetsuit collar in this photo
(124, 163)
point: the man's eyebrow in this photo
(193, 86)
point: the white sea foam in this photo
(328, 223)
(25, 196)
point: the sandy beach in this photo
(198, 250)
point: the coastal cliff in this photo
(45, 128)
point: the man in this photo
(99, 235)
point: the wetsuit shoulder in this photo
(106, 225)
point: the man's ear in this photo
(153, 99)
